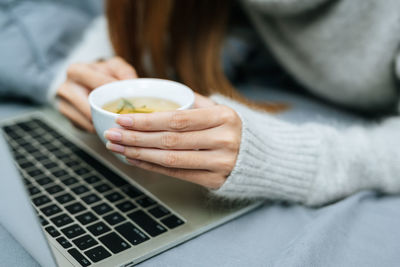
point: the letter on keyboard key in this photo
(97, 254)
(131, 233)
(114, 243)
(152, 227)
(79, 257)
(73, 231)
(85, 242)
(98, 228)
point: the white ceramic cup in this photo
(142, 87)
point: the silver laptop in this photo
(70, 202)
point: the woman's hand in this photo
(81, 80)
(199, 145)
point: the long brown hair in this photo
(176, 39)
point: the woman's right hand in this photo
(81, 80)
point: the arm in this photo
(35, 38)
(311, 164)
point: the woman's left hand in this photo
(198, 145)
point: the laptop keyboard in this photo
(86, 207)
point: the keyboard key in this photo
(102, 208)
(62, 156)
(41, 157)
(50, 165)
(85, 242)
(114, 243)
(90, 199)
(102, 188)
(73, 231)
(33, 190)
(114, 218)
(70, 181)
(52, 231)
(80, 189)
(75, 208)
(159, 211)
(86, 218)
(65, 198)
(59, 173)
(62, 220)
(40, 200)
(30, 148)
(72, 163)
(26, 165)
(97, 254)
(81, 171)
(172, 221)
(44, 181)
(126, 206)
(64, 242)
(54, 189)
(98, 228)
(35, 172)
(100, 168)
(114, 197)
(152, 227)
(92, 179)
(131, 191)
(25, 126)
(131, 233)
(50, 210)
(43, 221)
(79, 257)
(146, 202)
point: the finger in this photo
(75, 116)
(77, 96)
(121, 69)
(187, 159)
(175, 121)
(205, 178)
(88, 77)
(206, 139)
(101, 67)
(202, 101)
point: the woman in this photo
(343, 51)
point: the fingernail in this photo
(125, 121)
(115, 148)
(113, 135)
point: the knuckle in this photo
(133, 153)
(171, 159)
(72, 69)
(226, 165)
(229, 115)
(131, 138)
(145, 123)
(170, 140)
(229, 140)
(179, 121)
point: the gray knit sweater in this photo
(343, 51)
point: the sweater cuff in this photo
(276, 160)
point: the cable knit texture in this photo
(311, 164)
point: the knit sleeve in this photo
(311, 163)
(283, 7)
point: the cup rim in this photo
(105, 112)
